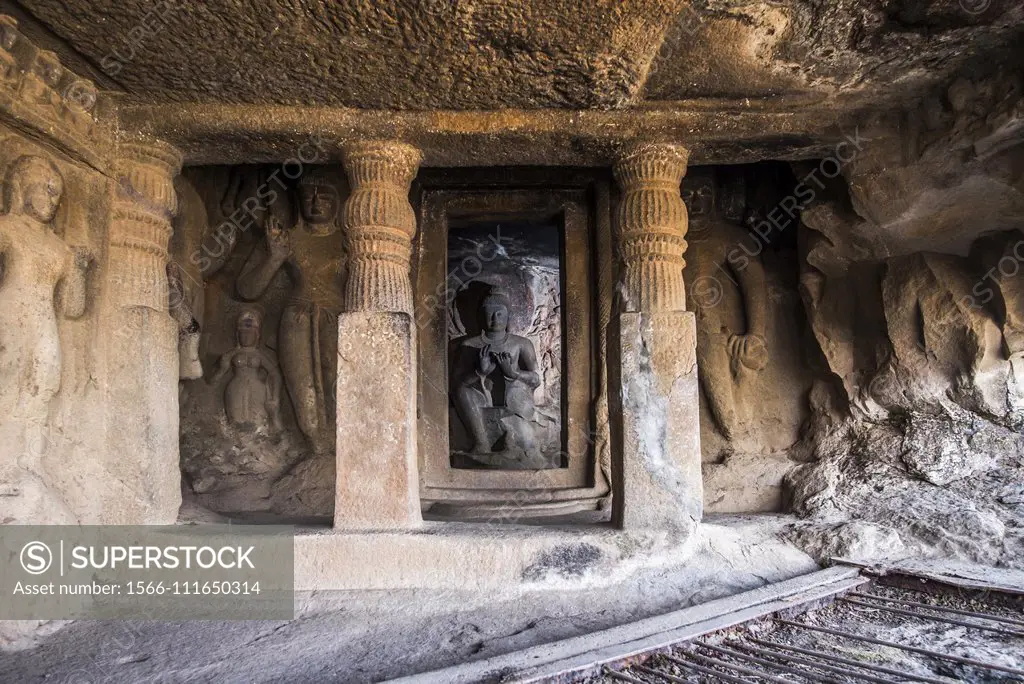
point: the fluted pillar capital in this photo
(652, 224)
(380, 225)
(140, 230)
(146, 170)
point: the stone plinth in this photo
(377, 475)
(479, 557)
(658, 483)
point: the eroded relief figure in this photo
(313, 304)
(8, 39)
(184, 281)
(41, 277)
(493, 378)
(253, 396)
(183, 312)
(42, 81)
(726, 289)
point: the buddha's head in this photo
(494, 310)
(34, 187)
(706, 194)
(318, 199)
(247, 328)
(699, 193)
(732, 196)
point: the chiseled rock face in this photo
(916, 486)
(485, 54)
(398, 54)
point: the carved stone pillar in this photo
(140, 231)
(142, 356)
(377, 472)
(657, 470)
(380, 225)
(652, 226)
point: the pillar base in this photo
(659, 481)
(378, 481)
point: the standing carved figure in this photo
(482, 361)
(726, 289)
(40, 276)
(313, 304)
(251, 399)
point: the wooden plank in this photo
(589, 652)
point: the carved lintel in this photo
(652, 225)
(140, 230)
(380, 225)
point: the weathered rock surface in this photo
(874, 496)
(477, 54)
(912, 293)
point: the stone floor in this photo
(368, 636)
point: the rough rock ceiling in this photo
(496, 54)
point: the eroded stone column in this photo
(380, 225)
(377, 474)
(140, 232)
(657, 473)
(142, 424)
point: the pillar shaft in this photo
(380, 225)
(652, 227)
(142, 350)
(377, 472)
(656, 471)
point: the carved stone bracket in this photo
(380, 225)
(140, 230)
(652, 226)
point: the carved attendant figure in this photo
(312, 304)
(36, 264)
(726, 289)
(251, 400)
(480, 360)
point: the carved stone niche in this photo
(513, 295)
(258, 429)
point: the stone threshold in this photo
(487, 557)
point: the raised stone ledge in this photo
(480, 557)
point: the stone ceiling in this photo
(529, 54)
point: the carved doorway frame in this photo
(578, 202)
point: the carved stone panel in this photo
(42, 282)
(755, 375)
(258, 429)
(505, 345)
